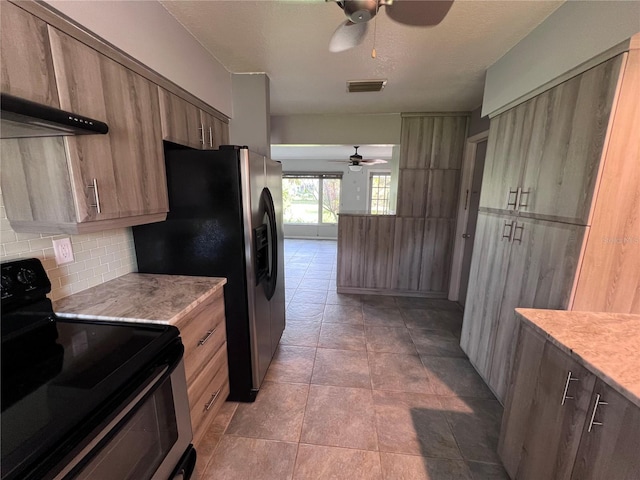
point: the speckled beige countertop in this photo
(607, 344)
(140, 297)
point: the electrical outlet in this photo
(63, 250)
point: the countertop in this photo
(141, 298)
(607, 344)
(363, 213)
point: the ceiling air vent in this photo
(365, 85)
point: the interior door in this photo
(473, 202)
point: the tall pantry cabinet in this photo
(545, 161)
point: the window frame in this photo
(320, 176)
(378, 172)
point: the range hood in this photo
(22, 118)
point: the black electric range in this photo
(64, 381)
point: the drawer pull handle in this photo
(210, 137)
(593, 415)
(204, 339)
(522, 203)
(504, 229)
(513, 204)
(566, 388)
(94, 185)
(210, 403)
(201, 128)
(515, 232)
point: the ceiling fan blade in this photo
(419, 12)
(347, 35)
(374, 161)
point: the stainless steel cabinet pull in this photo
(523, 203)
(566, 388)
(507, 235)
(210, 403)
(466, 200)
(201, 128)
(513, 204)
(515, 231)
(595, 409)
(204, 339)
(210, 137)
(96, 205)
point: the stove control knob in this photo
(26, 276)
(6, 284)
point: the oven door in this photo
(146, 440)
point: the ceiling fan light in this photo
(355, 168)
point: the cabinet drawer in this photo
(203, 335)
(208, 392)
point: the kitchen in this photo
(116, 245)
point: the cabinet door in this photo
(181, 121)
(542, 264)
(487, 278)
(505, 157)
(127, 163)
(25, 56)
(611, 449)
(568, 131)
(216, 132)
(557, 415)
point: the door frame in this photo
(468, 165)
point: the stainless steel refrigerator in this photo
(225, 220)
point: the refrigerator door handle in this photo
(271, 280)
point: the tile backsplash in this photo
(98, 257)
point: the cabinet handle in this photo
(513, 204)
(210, 403)
(210, 137)
(94, 185)
(507, 235)
(515, 230)
(201, 128)
(593, 415)
(525, 203)
(204, 339)
(566, 388)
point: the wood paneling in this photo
(609, 280)
(407, 257)
(437, 244)
(380, 231)
(25, 57)
(352, 235)
(416, 142)
(412, 193)
(180, 120)
(569, 127)
(447, 145)
(442, 193)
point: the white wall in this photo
(147, 32)
(251, 109)
(335, 129)
(573, 34)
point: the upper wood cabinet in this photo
(186, 124)
(543, 155)
(93, 182)
(25, 56)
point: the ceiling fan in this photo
(423, 13)
(356, 161)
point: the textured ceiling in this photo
(329, 152)
(437, 68)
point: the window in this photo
(311, 198)
(380, 193)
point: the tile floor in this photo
(361, 388)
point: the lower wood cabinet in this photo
(205, 361)
(562, 422)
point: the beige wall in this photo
(251, 109)
(147, 31)
(99, 257)
(336, 129)
(573, 34)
